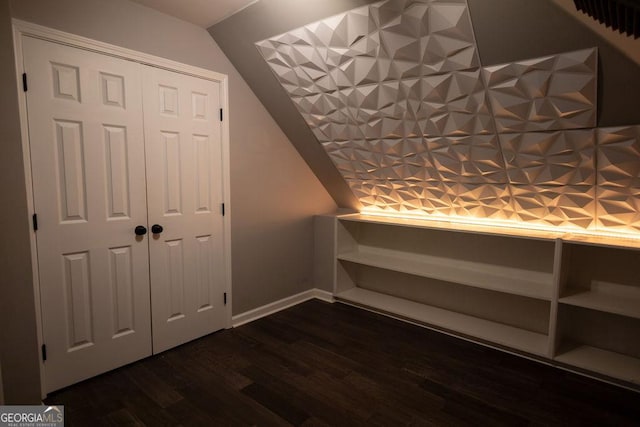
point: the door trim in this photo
(23, 29)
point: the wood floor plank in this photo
(153, 385)
(321, 364)
(314, 402)
(276, 403)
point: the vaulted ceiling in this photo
(203, 13)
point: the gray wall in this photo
(274, 194)
(18, 342)
(506, 30)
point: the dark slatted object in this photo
(621, 15)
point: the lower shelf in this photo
(614, 365)
(622, 300)
(505, 335)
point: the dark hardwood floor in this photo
(330, 364)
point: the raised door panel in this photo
(87, 153)
(117, 171)
(184, 172)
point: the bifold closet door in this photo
(87, 153)
(184, 175)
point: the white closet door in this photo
(87, 151)
(184, 190)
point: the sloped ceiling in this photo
(395, 94)
(202, 13)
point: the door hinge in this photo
(221, 116)
(44, 352)
(223, 209)
(24, 81)
(35, 222)
(225, 298)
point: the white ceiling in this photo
(202, 13)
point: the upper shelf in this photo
(493, 277)
(504, 229)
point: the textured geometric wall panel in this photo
(395, 93)
(550, 158)
(363, 74)
(454, 104)
(619, 178)
(560, 206)
(388, 40)
(553, 92)
(482, 200)
(383, 159)
(619, 156)
(438, 199)
(470, 159)
(403, 197)
(619, 208)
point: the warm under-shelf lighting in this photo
(501, 225)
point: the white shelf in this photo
(604, 362)
(527, 272)
(610, 298)
(528, 231)
(496, 278)
(509, 336)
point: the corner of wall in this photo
(19, 351)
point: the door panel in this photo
(184, 173)
(87, 152)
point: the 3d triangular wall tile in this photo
(618, 188)
(395, 93)
(619, 156)
(550, 158)
(553, 92)
(472, 159)
(569, 206)
(619, 208)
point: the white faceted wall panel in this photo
(619, 178)
(619, 208)
(371, 72)
(395, 93)
(454, 104)
(548, 93)
(619, 156)
(572, 206)
(435, 198)
(396, 159)
(550, 158)
(482, 200)
(469, 159)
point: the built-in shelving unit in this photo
(599, 311)
(571, 299)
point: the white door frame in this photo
(23, 29)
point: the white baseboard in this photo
(274, 307)
(322, 295)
